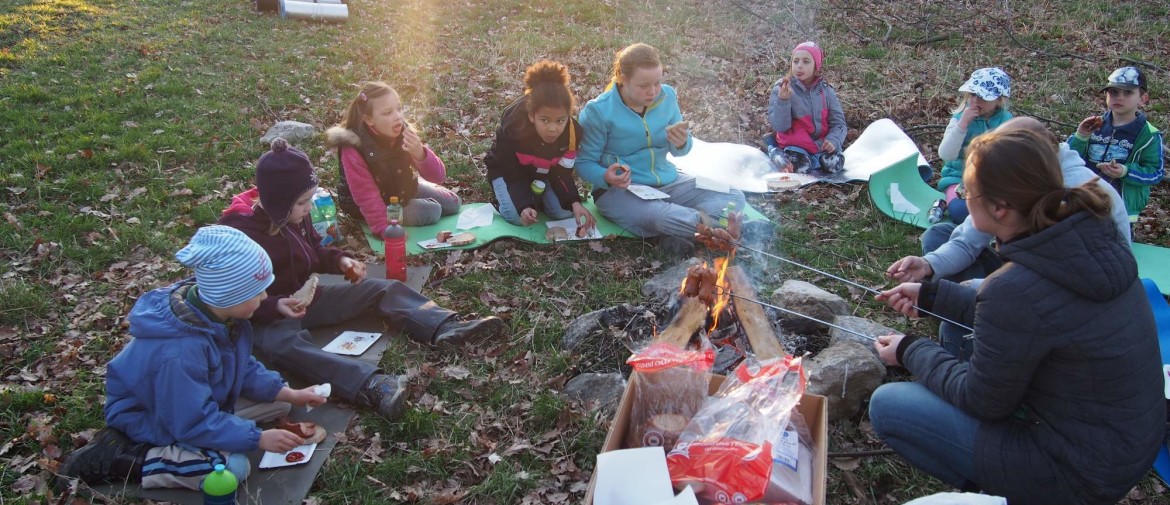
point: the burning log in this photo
(751, 316)
(686, 322)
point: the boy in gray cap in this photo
(1121, 145)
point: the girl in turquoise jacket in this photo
(629, 129)
(983, 108)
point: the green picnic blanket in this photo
(500, 229)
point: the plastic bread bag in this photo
(792, 464)
(669, 386)
(725, 453)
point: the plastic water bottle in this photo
(394, 210)
(219, 487)
(394, 240)
(727, 214)
(935, 214)
(324, 216)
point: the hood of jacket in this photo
(1082, 254)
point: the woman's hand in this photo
(677, 134)
(887, 348)
(290, 308)
(528, 216)
(359, 268)
(910, 269)
(902, 298)
(785, 91)
(618, 176)
(279, 440)
(828, 147)
(301, 397)
(412, 144)
(583, 217)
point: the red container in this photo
(394, 240)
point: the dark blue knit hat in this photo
(282, 176)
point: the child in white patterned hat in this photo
(173, 392)
(983, 106)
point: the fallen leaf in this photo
(847, 464)
(458, 372)
(27, 483)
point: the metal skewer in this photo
(798, 314)
(847, 281)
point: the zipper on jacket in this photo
(650, 147)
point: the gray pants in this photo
(429, 204)
(286, 345)
(677, 215)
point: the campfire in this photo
(706, 292)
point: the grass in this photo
(124, 125)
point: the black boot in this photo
(384, 394)
(453, 333)
(110, 457)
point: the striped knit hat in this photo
(230, 268)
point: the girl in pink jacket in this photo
(381, 156)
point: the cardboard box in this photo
(813, 407)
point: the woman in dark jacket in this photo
(1061, 400)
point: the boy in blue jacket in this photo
(172, 393)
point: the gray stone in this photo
(294, 132)
(847, 367)
(580, 329)
(860, 325)
(596, 390)
(807, 299)
(665, 285)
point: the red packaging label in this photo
(731, 471)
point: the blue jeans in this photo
(957, 209)
(819, 160)
(956, 341)
(550, 202)
(933, 435)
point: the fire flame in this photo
(722, 296)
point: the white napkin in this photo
(474, 218)
(325, 390)
(901, 204)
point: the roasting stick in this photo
(798, 314)
(846, 281)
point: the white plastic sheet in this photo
(746, 168)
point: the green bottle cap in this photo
(220, 482)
